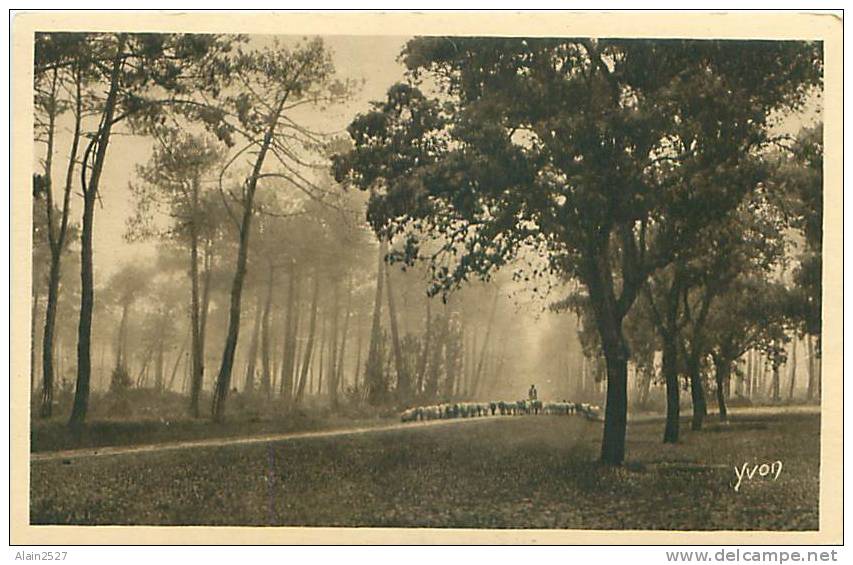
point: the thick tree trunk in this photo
(669, 368)
(87, 282)
(616, 410)
(309, 346)
(721, 375)
(252, 354)
(266, 369)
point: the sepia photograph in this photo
(502, 278)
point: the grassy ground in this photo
(515, 472)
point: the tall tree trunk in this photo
(121, 342)
(57, 248)
(332, 373)
(195, 319)
(289, 351)
(195, 316)
(358, 382)
(478, 373)
(87, 282)
(339, 376)
(373, 372)
(403, 383)
(159, 369)
(174, 372)
(324, 327)
(810, 367)
(266, 370)
(34, 313)
(309, 346)
(747, 390)
(793, 369)
(431, 387)
(252, 360)
(223, 380)
(422, 363)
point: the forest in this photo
(633, 224)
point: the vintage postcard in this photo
(442, 277)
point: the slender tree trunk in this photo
(775, 383)
(87, 283)
(223, 380)
(121, 339)
(309, 346)
(251, 362)
(373, 372)
(357, 385)
(478, 373)
(431, 388)
(324, 333)
(174, 372)
(793, 370)
(810, 367)
(422, 364)
(266, 369)
(403, 384)
(332, 372)
(748, 378)
(195, 317)
(34, 313)
(159, 369)
(57, 248)
(339, 375)
(289, 350)
(817, 369)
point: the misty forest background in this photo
(235, 230)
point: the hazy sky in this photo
(357, 57)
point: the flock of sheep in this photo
(495, 408)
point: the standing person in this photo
(532, 394)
